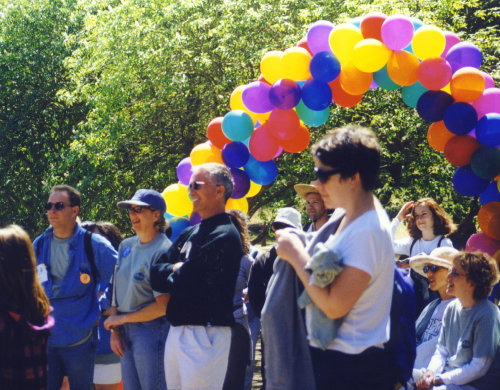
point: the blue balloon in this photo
(311, 117)
(485, 162)
(432, 105)
(284, 94)
(383, 80)
(357, 21)
(237, 125)
(460, 118)
(324, 67)
(412, 93)
(488, 129)
(467, 183)
(261, 172)
(178, 225)
(490, 194)
(316, 95)
(417, 23)
(235, 154)
(241, 183)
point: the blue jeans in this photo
(77, 363)
(142, 363)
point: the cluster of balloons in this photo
(435, 72)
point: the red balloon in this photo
(459, 149)
(297, 144)
(283, 124)
(371, 25)
(262, 145)
(215, 134)
(341, 97)
(434, 73)
(303, 43)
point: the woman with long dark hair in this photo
(24, 314)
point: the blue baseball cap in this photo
(145, 197)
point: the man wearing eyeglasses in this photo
(199, 272)
(315, 206)
(70, 266)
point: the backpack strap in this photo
(90, 254)
(413, 244)
(440, 240)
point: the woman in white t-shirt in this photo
(347, 162)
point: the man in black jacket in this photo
(199, 272)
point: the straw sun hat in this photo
(303, 189)
(442, 257)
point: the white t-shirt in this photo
(403, 246)
(365, 244)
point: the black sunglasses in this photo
(324, 174)
(195, 185)
(138, 209)
(433, 268)
(58, 206)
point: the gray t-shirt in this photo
(59, 260)
(472, 333)
(132, 284)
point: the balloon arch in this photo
(436, 73)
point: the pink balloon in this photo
(397, 32)
(451, 40)
(434, 73)
(488, 102)
(263, 146)
(481, 242)
(488, 80)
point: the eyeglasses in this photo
(138, 209)
(324, 174)
(433, 268)
(455, 274)
(195, 185)
(58, 206)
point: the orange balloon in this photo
(438, 135)
(403, 68)
(353, 81)
(341, 97)
(459, 149)
(467, 84)
(371, 25)
(297, 144)
(488, 219)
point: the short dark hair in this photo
(351, 149)
(481, 270)
(75, 199)
(443, 224)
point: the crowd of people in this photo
(83, 308)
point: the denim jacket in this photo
(75, 305)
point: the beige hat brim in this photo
(303, 189)
(418, 262)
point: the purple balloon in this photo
(255, 97)
(397, 32)
(184, 171)
(451, 40)
(235, 154)
(284, 94)
(432, 105)
(464, 54)
(241, 183)
(318, 36)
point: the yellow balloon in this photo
(370, 55)
(343, 38)
(428, 42)
(204, 153)
(447, 88)
(236, 101)
(270, 66)
(254, 189)
(238, 204)
(177, 199)
(295, 64)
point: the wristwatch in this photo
(438, 381)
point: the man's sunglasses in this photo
(324, 174)
(138, 209)
(58, 206)
(195, 185)
(433, 268)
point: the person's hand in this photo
(116, 342)
(114, 321)
(177, 266)
(404, 213)
(425, 381)
(288, 246)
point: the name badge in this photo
(41, 271)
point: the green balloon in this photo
(311, 117)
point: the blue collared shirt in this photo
(75, 304)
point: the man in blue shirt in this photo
(70, 279)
